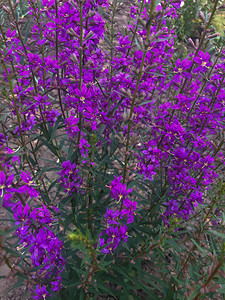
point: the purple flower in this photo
(83, 145)
(21, 213)
(202, 61)
(113, 235)
(119, 190)
(71, 126)
(174, 130)
(5, 182)
(69, 177)
(56, 284)
(123, 232)
(207, 163)
(27, 187)
(51, 116)
(41, 292)
(41, 215)
(111, 216)
(182, 69)
(84, 94)
(117, 231)
(129, 210)
(109, 249)
(2, 139)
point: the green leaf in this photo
(177, 280)
(59, 119)
(48, 169)
(47, 144)
(199, 247)
(138, 45)
(105, 289)
(195, 293)
(4, 116)
(26, 292)
(27, 31)
(222, 289)
(146, 102)
(108, 41)
(8, 250)
(137, 284)
(219, 234)
(32, 161)
(19, 283)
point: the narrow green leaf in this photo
(199, 247)
(27, 31)
(137, 43)
(59, 119)
(219, 234)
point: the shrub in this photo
(111, 152)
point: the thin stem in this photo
(135, 30)
(57, 56)
(201, 40)
(152, 9)
(194, 247)
(80, 77)
(211, 276)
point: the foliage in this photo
(112, 147)
(188, 23)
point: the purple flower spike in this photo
(117, 231)
(69, 177)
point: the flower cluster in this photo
(181, 142)
(69, 177)
(38, 73)
(178, 141)
(35, 226)
(110, 238)
(35, 230)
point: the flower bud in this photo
(89, 35)
(91, 14)
(20, 52)
(6, 9)
(15, 4)
(72, 32)
(73, 58)
(37, 69)
(211, 36)
(201, 16)
(126, 93)
(191, 42)
(197, 43)
(142, 22)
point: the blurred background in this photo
(189, 23)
